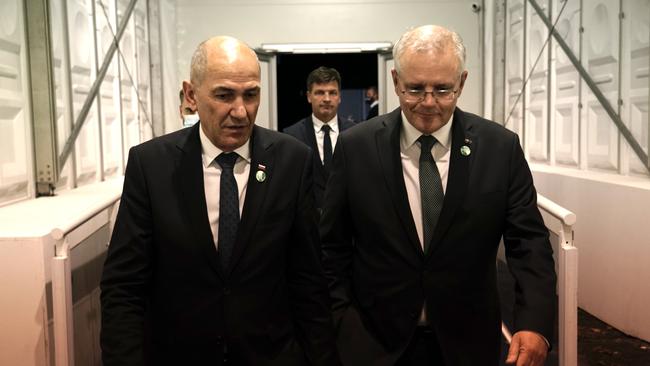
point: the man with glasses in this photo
(417, 203)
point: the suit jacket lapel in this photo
(191, 185)
(459, 169)
(262, 158)
(388, 150)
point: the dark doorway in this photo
(358, 71)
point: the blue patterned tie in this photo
(228, 208)
(431, 191)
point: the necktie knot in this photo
(227, 160)
(326, 129)
(427, 142)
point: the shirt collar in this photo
(209, 152)
(318, 124)
(410, 134)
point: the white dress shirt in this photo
(212, 178)
(410, 157)
(320, 134)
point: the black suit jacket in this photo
(373, 112)
(163, 289)
(303, 130)
(379, 276)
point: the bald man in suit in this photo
(188, 280)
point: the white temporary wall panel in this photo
(15, 163)
(566, 111)
(298, 21)
(109, 91)
(142, 72)
(514, 66)
(82, 75)
(128, 85)
(601, 42)
(635, 82)
(61, 71)
(537, 89)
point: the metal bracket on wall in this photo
(43, 109)
(634, 144)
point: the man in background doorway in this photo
(321, 129)
(372, 98)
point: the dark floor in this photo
(598, 343)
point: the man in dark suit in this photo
(372, 98)
(186, 281)
(410, 232)
(320, 130)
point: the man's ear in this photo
(463, 77)
(188, 91)
(393, 73)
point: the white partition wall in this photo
(62, 92)
(81, 33)
(537, 95)
(635, 40)
(82, 74)
(565, 112)
(15, 145)
(601, 60)
(142, 74)
(580, 158)
(106, 25)
(514, 66)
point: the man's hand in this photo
(527, 349)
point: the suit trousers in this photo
(423, 349)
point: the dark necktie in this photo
(228, 208)
(431, 191)
(327, 147)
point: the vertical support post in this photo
(568, 298)
(155, 69)
(42, 94)
(62, 306)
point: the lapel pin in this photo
(260, 175)
(465, 150)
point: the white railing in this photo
(62, 307)
(561, 223)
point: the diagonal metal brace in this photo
(634, 144)
(101, 73)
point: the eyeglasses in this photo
(418, 95)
